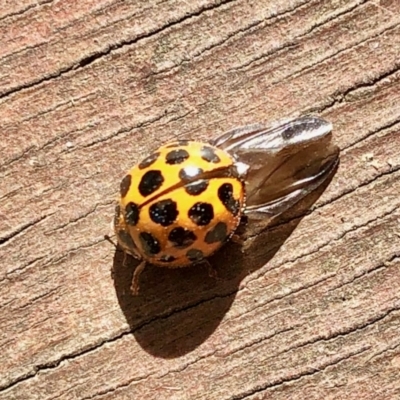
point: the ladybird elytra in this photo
(166, 167)
(180, 204)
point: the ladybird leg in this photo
(212, 272)
(136, 276)
(235, 238)
(126, 255)
(106, 237)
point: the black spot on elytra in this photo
(150, 244)
(125, 185)
(178, 143)
(126, 238)
(217, 234)
(201, 213)
(164, 212)
(167, 258)
(225, 194)
(149, 160)
(208, 154)
(194, 255)
(176, 156)
(196, 188)
(189, 173)
(150, 182)
(131, 213)
(181, 237)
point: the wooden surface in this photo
(309, 310)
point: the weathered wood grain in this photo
(309, 309)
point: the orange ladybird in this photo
(179, 205)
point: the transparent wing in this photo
(287, 160)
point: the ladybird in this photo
(181, 203)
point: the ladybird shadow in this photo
(178, 309)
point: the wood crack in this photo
(343, 332)
(297, 39)
(340, 97)
(374, 269)
(230, 36)
(341, 236)
(22, 228)
(363, 349)
(123, 130)
(80, 217)
(47, 293)
(19, 13)
(346, 49)
(297, 376)
(87, 60)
